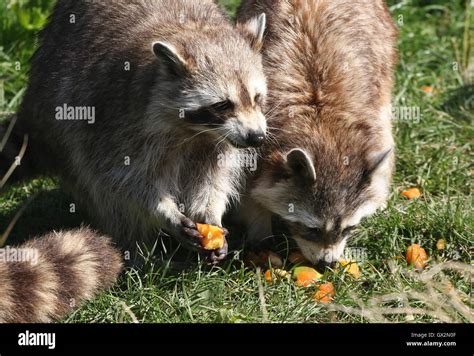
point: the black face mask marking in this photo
(215, 114)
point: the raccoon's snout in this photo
(247, 131)
(255, 138)
(320, 253)
(251, 139)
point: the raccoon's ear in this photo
(170, 58)
(377, 161)
(301, 164)
(254, 30)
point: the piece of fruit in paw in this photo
(416, 256)
(325, 293)
(306, 276)
(212, 236)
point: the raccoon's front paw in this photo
(188, 236)
(219, 255)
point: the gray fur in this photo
(141, 165)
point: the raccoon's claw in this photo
(188, 236)
(188, 223)
(194, 235)
(189, 240)
(219, 255)
(226, 232)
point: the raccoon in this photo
(329, 158)
(46, 278)
(133, 103)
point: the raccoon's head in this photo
(323, 195)
(213, 80)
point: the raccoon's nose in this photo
(255, 139)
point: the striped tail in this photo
(44, 279)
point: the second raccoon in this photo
(330, 156)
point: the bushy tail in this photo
(45, 279)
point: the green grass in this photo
(433, 153)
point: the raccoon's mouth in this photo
(252, 140)
(319, 253)
(236, 144)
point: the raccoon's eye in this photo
(314, 234)
(223, 107)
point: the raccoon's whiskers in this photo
(272, 138)
(269, 113)
(222, 138)
(268, 237)
(279, 129)
(194, 136)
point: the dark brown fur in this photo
(329, 65)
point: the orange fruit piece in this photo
(416, 256)
(412, 193)
(441, 244)
(325, 293)
(427, 89)
(278, 273)
(306, 276)
(268, 276)
(350, 267)
(212, 236)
